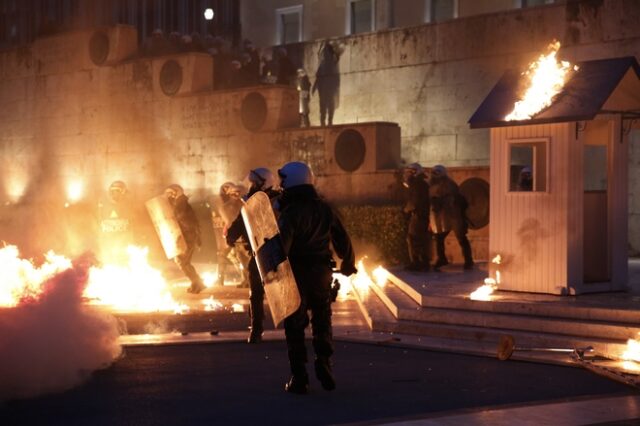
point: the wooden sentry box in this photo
(567, 234)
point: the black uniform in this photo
(418, 235)
(256, 295)
(308, 226)
(186, 218)
(236, 231)
(449, 213)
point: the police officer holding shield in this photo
(188, 222)
(308, 227)
(261, 179)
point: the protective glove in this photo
(347, 269)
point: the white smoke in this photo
(54, 342)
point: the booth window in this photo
(528, 166)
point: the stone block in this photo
(17, 63)
(182, 74)
(364, 187)
(87, 49)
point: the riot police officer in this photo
(308, 227)
(448, 208)
(115, 216)
(188, 222)
(260, 179)
(417, 207)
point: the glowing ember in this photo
(15, 187)
(212, 304)
(380, 275)
(632, 352)
(345, 285)
(546, 77)
(209, 279)
(484, 292)
(237, 307)
(134, 287)
(75, 191)
(497, 260)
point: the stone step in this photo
(572, 308)
(472, 339)
(404, 307)
(562, 326)
(372, 307)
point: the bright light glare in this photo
(75, 191)
(208, 14)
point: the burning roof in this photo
(583, 96)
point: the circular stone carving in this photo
(253, 111)
(476, 192)
(350, 150)
(99, 47)
(170, 77)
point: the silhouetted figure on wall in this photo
(327, 83)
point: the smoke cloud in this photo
(54, 342)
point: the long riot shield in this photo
(275, 269)
(167, 227)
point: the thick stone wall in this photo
(63, 117)
(430, 78)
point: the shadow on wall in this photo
(327, 82)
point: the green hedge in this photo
(377, 231)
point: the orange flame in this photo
(484, 292)
(133, 287)
(632, 352)
(22, 279)
(546, 77)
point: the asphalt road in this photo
(236, 383)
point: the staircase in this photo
(434, 309)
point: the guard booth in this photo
(564, 230)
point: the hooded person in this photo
(309, 228)
(304, 92)
(448, 213)
(188, 222)
(260, 179)
(417, 208)
(525, 179)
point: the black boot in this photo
(298, 384)
(324, 374)
(440, 263)
(255, 336)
